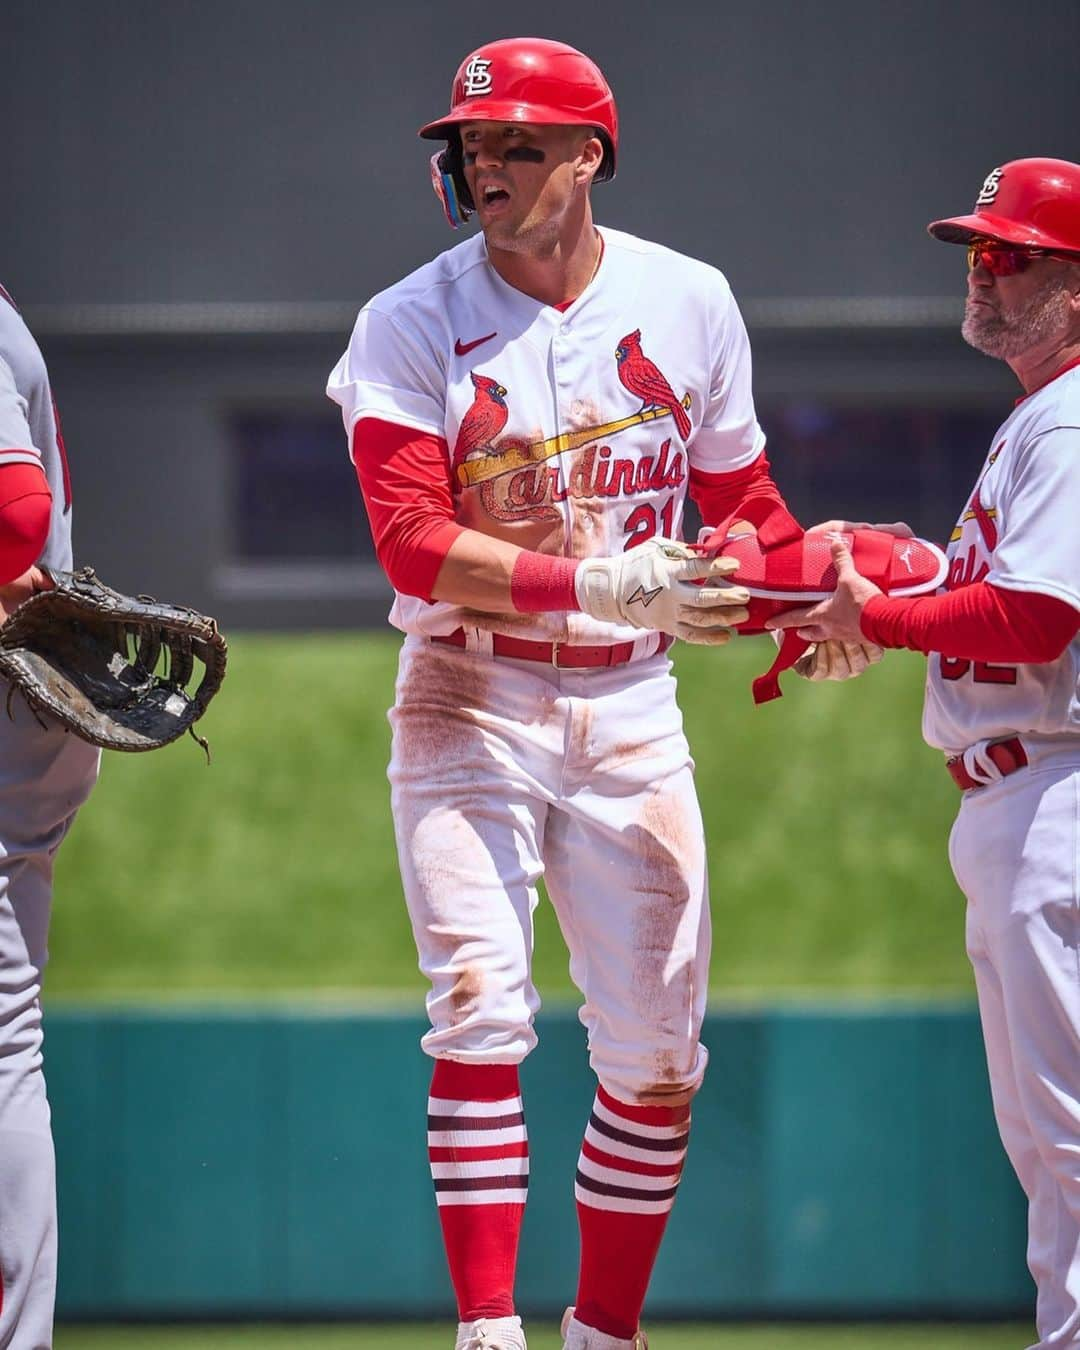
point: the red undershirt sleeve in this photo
(748, 494)
(980, 622)
(405, 480)
(25, 513)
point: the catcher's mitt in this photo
(114, 669)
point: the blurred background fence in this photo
(262, 1164)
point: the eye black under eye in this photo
(528, 154)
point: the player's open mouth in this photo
(491, 196)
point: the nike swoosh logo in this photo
(463, 348)
(646, 597)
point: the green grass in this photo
(272, 871)
(991, 1336)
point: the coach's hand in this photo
(665, 586)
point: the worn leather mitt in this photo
(114, 669)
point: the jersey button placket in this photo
(563, 387)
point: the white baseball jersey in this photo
(569, 432)
(30, 426)
(1020, 530)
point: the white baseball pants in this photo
(503, 771)
(1015, 851)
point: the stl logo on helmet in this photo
(478, 77)
(990, 186)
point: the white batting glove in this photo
(835, 660)
(657, 586)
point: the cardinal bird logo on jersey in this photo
(484, 419)
(646, 382)
(985, 515)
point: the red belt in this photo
(558, 654)
(1008, 755)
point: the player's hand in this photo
(664, 586)
(22, 588)
(833, 660)
(836, 618)
(898, 527)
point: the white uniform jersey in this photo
(30, 426)
(572, 432)
(1020, 530)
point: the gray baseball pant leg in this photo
(44, 776)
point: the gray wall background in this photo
(201, 194)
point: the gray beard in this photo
(1010, 335)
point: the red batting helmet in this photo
(1032, 202)
(521, 80)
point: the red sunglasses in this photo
(1005, 260)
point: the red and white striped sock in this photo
(479, 1156)
(628, 1173)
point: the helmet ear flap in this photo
(606, 171)
(448, 180)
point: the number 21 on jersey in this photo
(641, 523)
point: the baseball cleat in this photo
(801, 572)
(577, 1336)
(491, 1333)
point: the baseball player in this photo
(45, 775)
(526, 414)
(1003, 697)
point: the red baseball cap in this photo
(1031, 202)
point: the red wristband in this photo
(540, 583)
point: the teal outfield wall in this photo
(273, 1164)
